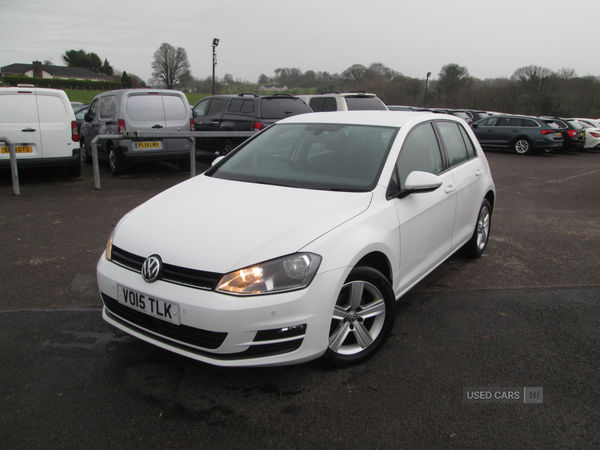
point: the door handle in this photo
(478, 172)
(28, 130)
(450, 188)
(157, 126)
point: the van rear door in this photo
(177, 118)
(144, 111)
(19, 122)
(56, 117)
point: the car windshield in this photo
(337, 157)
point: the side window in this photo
(468, 143)
(317, 104)
(235, 105)
(420, 151)
(93, 110)
(216, 106)
(107, 107)
(491, 122)
(330, 104)
(200, 108)
(528, 123)
(248, 106)
(514, 122)
(453, 142)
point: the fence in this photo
(135, 135)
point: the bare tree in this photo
(171, 66)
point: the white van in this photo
(41, 124)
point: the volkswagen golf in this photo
(298, 244)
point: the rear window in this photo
(279, 108)
(52, 109)
(364, 103)
(175, 108)
(20, 108)
(142, 108)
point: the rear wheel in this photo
(523, 146)
(116, 160)
(226, 146)
(363, 317)
(85, 153)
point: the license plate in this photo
(19, 149)
(147, 145)
(147, 304)
(559, 134)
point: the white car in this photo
(348, 101)
(592, 133)
(299, 242)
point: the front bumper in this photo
(227, 330)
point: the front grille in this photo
(193, 336)
(186, 336)
(198, 279)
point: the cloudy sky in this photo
(491, 38)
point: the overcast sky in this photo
(490, 38)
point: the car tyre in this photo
(362, 319)
(116, 160)
(85, 153)
(227, 146)
(476, 246)
(523, 146)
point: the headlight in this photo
(108, 252)
(278, 275)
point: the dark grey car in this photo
(523, 134)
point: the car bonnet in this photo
(222, 225)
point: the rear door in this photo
(177, 118)
(56, 116)
(207, 117)
(144, 111)
(19, 123)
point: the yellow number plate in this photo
(19, 149)
(151, 144)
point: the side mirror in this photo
(417, 182)
(87, 117)
(474, 125)
(216, 160)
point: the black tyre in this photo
(227, 146)
(116, 160)
(363, 317)
(478, 242)
(86, 154)
(522, 146)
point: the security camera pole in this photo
(426, 86)
(214, 46)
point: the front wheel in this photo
(363, 317)
(227, 146)
(523, 146)
(478, 243)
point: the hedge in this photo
(58, 83)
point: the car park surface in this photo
(525, 314)
(280, 291)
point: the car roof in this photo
(381, 118)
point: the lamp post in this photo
(426, 86)
(214, 46)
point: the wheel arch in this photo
(379, 261)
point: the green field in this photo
(87, 96)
